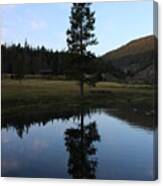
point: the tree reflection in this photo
(79, 143)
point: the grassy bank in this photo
(39, 100)
(60, 93)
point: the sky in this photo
(45, 24)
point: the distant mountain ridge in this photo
(137, 59)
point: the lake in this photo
(101, 144)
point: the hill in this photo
(137, 59)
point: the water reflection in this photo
(79, 143)
(22, 122)
(134, 117)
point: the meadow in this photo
(58, 94)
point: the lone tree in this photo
(79, 36)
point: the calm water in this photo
(101, 144)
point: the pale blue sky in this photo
(46, 24)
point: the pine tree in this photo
(79, 37)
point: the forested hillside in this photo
(137, 59)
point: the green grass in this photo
(35, 94)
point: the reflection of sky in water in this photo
(124, 151)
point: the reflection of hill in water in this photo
(24, 120)
(135, 117)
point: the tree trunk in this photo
(81, 88)
(83, 151)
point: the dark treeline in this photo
(21, 60)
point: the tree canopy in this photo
(79, 36)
